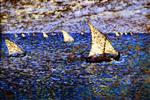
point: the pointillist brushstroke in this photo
(13, 49)
(67, 37)
(101, 47)
(45, 35)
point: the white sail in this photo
(126, 33)
(67, 37)
(34, 34)
(100, 44)
(82, 32)
(117, 34)
(15, 35)
(23, 35)
(109, 48)
(121, 33)
(45, 35)
(12, 48)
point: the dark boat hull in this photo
(102, 58)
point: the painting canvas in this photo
(75, 50)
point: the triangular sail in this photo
(23, 35)
(100, 44)
(117, 34)
(15, 35)
(33, 34)
(126, 33)
(109, 48)
(12, 48)
(67, 37)
(82, 33)
(45, 35)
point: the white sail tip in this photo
(45, 35)
(131, 33)
(34, 34)
(15, 35)
(117, 34)
(82, 33)
(67, 37)
(23, 35)
(120, 33)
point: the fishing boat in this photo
(67, 37)
(15, 35)
(101, 47)
(23, 35)
(45, 35)
(13, 49)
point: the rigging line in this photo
(104, 47)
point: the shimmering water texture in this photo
(51, 68)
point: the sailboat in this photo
(67, 37)
(34, 34)
(13, 49)
(45, 35)
(82, 32)
(131, 33)
(101, 47)
(23, 35)
(117, 34)
(15, 35)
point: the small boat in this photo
(126, 33)
(101, 47)
(23, 35)
(67, 37)
(13, 49)
(117, 33)
(34, 34)
(45, 35)
(15, 35)
(82, 33)
(131, 33)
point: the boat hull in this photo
(102, 58)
